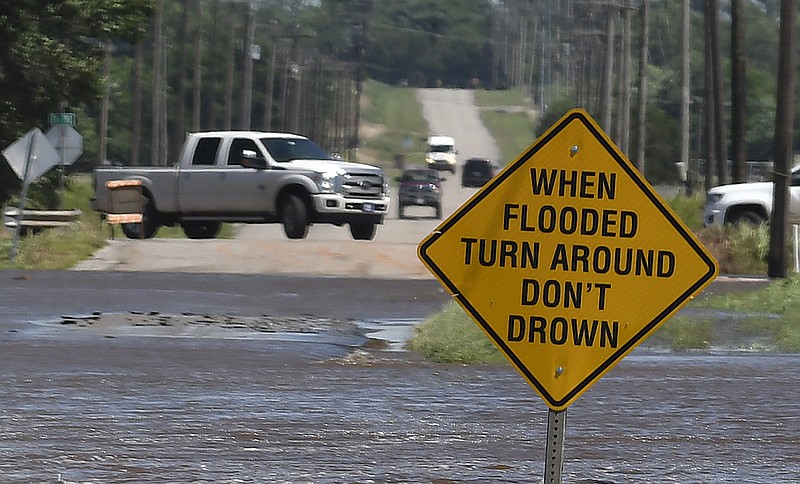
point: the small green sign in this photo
(56, 119)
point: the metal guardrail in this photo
(35, 220)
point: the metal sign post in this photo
(30, 157)
(26, 183)
(554, 451)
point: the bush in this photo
(740, 249)
(450, 336)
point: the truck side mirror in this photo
(250, 159)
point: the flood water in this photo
(132, 409)
(119, 404)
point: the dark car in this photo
(422, 187)
(476, 172)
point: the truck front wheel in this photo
(149, 226)
(201, 230)
(363, 230)
(294, 216)
(747, 217)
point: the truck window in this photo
(795, 179)
(205, 153)
(288, 149)
(238, 147)
(441, 149)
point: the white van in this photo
(441, 153)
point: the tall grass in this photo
(509, 117)
(393, 125)
(770, 314)
(450, 336)
(500, 97)
(739, 249)
(59, 248)
(689, 210)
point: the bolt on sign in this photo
(568, 259)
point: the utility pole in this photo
(685, 100)
(608, 78)
(269, 91)
(738, 99)
(782, 149)
(711, 160)
(136, 117)
(720, 141)
(642, 114)
(180, 79)
(158, 52)
(198, 67)
(247, 68)
(108, 48)
(361, 38)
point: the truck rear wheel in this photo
(363, 230)
(294, 216)
(201, 230)
(149, 226)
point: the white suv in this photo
(441, 153)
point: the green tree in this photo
(427, 42)
(50, 58)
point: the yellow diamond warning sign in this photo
(568, 259)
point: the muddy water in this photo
(184, 401)
(133, 409)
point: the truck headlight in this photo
(714, 198)
(326, 182)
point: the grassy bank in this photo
(63, 248)
(392, 126)
(764, 320)
(59, 248)
(510, 119)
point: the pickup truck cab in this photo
(749, 202)
(252, 177)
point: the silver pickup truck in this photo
(749, 202)
(251, 177)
